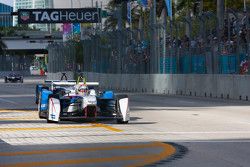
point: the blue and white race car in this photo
(64, 100)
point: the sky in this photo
(8, 2)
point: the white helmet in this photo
(82, 89)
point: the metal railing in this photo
(161, 48)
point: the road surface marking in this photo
(10, 111)
(108, 127)
(19, 118)
(63, 127)
(19, 95)
(8, 101)
(146, 159)
(168, 150)
(154, 144)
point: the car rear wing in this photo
(68, 83)
(50, 81)
(71, 83)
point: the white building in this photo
(33, 4)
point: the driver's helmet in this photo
(82, 89)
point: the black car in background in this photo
(12, 77)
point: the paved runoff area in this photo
(163, 131)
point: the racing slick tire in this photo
(37, 99)
(120, 121)
(39, 110)
(5, 80)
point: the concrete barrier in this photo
(203, 85)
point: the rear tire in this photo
(41, 117)
(5, 80)
(39, 103)
(39, 108)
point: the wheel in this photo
(120, 121)
(5, 80)
(21, 80)
(37, 98)
(49, 121)
(39, 102)
(41, 117)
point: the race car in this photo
(13, 77)
(65, 100)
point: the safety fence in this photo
(159, 48)
(61, 57)
(100, 58)
(15, 62)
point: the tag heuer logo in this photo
(25, 16)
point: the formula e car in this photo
(12, 77)
(80, 100)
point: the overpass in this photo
(27, 44)
(20, 50)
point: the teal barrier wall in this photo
(185, 64)
(169, 66)
(198, 64)
(228, 63)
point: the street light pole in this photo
(245, 6)
(220, 17)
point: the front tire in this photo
(50, 122)
(120, 121)
(39, 108)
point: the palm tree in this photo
(2, 51)
(111, 21)
(2, 47)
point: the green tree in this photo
(111, 21)
(2, 47)
(209, 5)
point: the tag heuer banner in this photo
(81, 15)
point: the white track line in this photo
(20, 95)
(8, 101)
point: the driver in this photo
(82, 90)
